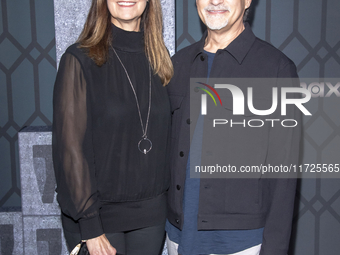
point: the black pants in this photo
(148, 241)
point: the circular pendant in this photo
(144, 145)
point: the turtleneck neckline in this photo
(129, 41)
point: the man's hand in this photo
(100, 246)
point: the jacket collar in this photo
(237, 48)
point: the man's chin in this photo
(217, 25)
(217, 28)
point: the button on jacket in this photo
(236, 203)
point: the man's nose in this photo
(216, 2)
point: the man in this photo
(229, 216)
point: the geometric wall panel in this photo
(8, 59)
(5, 159)
(319, 130)
(281, 11)
(332, 67)
(37, 176)
(42, 228)
(46, 70)
(11, 238)
(330, 105)
(332, 150)
(45, 25)
(306, 235)
(329, 242)
(26, 41)
(23, 91)
(296, 51)
(332, 32)
(310, 69)
(310, 16)
(185, 35)
(44, 235)
(3, 100)
(19, 21)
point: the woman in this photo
(110, 130)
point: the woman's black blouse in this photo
(104, 183)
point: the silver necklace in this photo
(144, 139)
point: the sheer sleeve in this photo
(72, 148)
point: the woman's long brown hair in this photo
(97, 35)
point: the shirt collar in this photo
(237, 48)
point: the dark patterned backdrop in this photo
(27, 73)
(307, 31)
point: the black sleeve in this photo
(73, 156)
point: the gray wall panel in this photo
(43, 235)
(69, 19)
(37, 176)
(42, 231)
(11, 233)
(168, 8)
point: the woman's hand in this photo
(100, 246)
